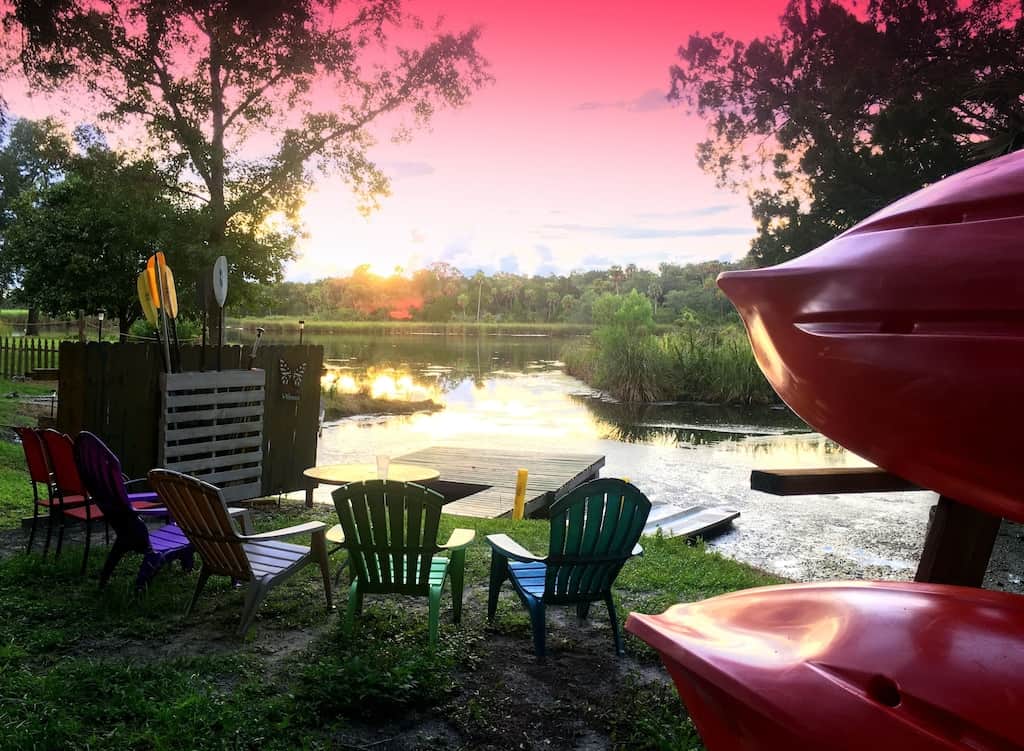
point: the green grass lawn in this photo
(80, 668)
(15, 491)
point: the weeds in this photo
(696, 363)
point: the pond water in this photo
(511, 392)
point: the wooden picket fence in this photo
(20, 355)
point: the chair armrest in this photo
(638, 549)
(153, 511)
(460, 538)
(506, 546)
(298, 529)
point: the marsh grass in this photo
(700, 364)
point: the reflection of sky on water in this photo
(678, 454)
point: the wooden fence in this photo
(114, 390)
(20, 355)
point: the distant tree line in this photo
(440, 292)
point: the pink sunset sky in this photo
(571, 159)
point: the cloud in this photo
(710, 210)
(649, 101)
(403, 170)
(545, 253)
(622, 232)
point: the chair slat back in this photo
(99, 473)
(35, 457)
(60, 452)
(199, 510)
(593, 531)
(390, 533)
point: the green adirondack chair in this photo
(594, 531)
(390, 532)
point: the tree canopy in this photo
(33, 155)
(247, 101)
(79, 242)
(848, 108)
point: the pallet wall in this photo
(114, 391)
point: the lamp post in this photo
(302, 326)
(99, 317)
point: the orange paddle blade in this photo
(151, 273)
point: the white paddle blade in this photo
(220, 281)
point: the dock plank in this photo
(550, 476)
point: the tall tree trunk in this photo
(32, 324)
(124, 324)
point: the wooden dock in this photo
(483, 481)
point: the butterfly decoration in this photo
(291, 380)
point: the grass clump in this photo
(649, 718)
(355, 672)
(164, 705)
(626, 358)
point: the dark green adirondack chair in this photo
(594, 531)
(391, 537)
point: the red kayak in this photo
(848, 666)
(903, 338)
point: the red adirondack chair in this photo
(67, 485)
(54, 503)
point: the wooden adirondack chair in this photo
(199, 509)
(73, 499)
(391, 537)
(54, 502)
(99, 470)
(594, 531)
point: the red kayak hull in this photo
(848, 666)
(903, 338)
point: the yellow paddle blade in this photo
(170, 294)
(146, 299)
(151, 273)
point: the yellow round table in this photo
(343, 474)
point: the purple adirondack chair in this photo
(101, 472)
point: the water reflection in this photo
(429, 367)
(792, 452)
(688, 424)
(380, 383)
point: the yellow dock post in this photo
(519, 504)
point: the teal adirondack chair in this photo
(390, 532)
(594, 531)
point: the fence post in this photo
(519, 504)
